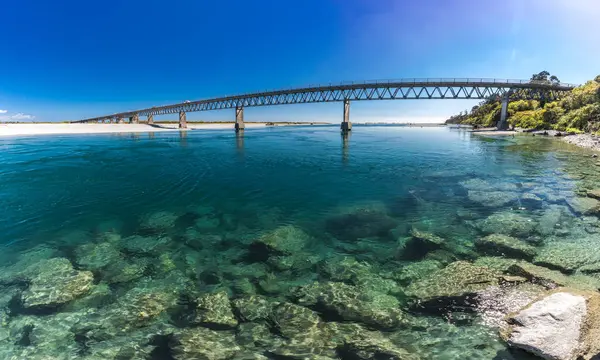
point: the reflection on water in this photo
(192, 244)
(345, 145)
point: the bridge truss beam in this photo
(402, 90)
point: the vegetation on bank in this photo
(577, 112)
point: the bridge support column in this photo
(503, 124)
(135, 119)
(346, 124)
(182, 120)
(239, 119)
(120, 120)
(150, 119)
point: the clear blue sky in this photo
(63, 60)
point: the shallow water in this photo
(221, 192)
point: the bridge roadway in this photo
(357, 91)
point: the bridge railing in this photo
(415, 81)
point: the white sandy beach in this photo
(60, 128)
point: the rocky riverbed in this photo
(374, 288)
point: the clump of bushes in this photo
(577, 111)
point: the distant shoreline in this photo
(66, 128)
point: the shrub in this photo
(530, 119)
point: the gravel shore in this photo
(584, 140)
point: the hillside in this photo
(578, 112)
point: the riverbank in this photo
(62, 128)
(588, 141)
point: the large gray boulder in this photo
(561, 326)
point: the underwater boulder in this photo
(254, 335)
(293, 320)
(158, 221)
(214, 311)
(454, 286)
(352, 303)
(552, 279)
(145, 245)
(55, 282)
(202, 343)
(568, 256)
(139, 307)
(493, 199)
(360, 222)
(96, 256)
(416, 270)
(584, 205)
(371, 346)
(504, 245)
(594, 194)
(285, 240)
(507, 223)
(530, 201)
(254, 308)
(419, 244)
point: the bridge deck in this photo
(453, 88)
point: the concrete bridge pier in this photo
(346, 124)
(150, 119)
(182, 120)
(135, 119)
(239, 119)
(120, 120)
(503, 124)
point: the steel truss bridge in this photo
(405, 89)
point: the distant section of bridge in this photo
(357, 91)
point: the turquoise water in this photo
(160, 220)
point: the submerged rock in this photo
(145, 245)
(530, 201)
(454, 286)
(254, 308)
(504, 245)
(214, 311)
(568, 256)
(552, 279)
(419, 244)
(158, 221)
(293, 320)
(202, 343)
(139, 307)
(584, 205)
(96, 256)
(285, 240)
(493, 198)
(351, 303)
(416, 270)
(254, 334)
(375, 347)
(595, 194)
(345, 269)
(561, 326)
(507, 223)
(56, 282)
(361, 222)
